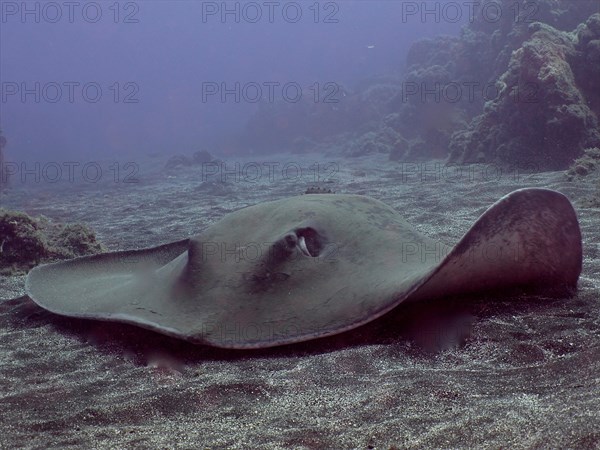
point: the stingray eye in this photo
(310, 241)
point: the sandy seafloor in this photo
(485, 371)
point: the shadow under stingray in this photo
(423, 328)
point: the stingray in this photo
(305, 267)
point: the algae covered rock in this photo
(540, 115)
(22, 243)
(583, 166)
(72, 240)
(26, 241)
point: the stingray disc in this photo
(310, 266)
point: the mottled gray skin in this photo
(310, 266)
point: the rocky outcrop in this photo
(540, 116)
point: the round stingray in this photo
(310, 266)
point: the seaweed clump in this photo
(26, 241)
